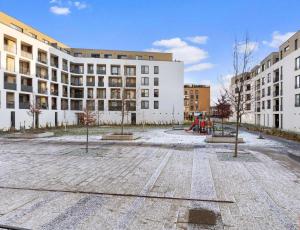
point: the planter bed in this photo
(119, 137)
(223, 139)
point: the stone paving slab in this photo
(264, 194)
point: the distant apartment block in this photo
(62, 81)
(273, 89)
(196, 100)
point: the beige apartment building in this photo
(196, 100)
(61, 81)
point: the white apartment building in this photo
(275, 89)
(37, 70)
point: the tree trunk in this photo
(33, 120)
(87, 139)
(222, 126)
(122, 121)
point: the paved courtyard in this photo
(150, 183)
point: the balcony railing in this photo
(8, 85)
(128, 84)
(42, 105)
(77, 95)
(26, 88)
(26, 54)
(92, 83)
(90, 95)
(101, 71)
(42, 91)
(91, 107)
(54, 107)
(54, 92)
(76, 107)
(24, 105)
(113, 84)
(10, 105)
(42, 76)
(76, 71)
(43, 60)
(276, 79)
(100, 83)
(76, 83)
(115, 108)
(11, 49)
(24, 72)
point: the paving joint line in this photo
(119, 194)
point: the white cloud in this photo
(181, 50)
(249, 47)
(60, 10)
(170, 43)
(198, 39)
(199, 67)
(278, 39)
(80, 5)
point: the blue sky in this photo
(199, 32)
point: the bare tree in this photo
(242, 53)
(34, 110)
(223, 108)
(88, 119)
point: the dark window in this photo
(156, 81)
(145, 81)
(156, 93)
(156, 104)
(156, 70)
(297, 82)
(296, 44)
(145, 69)
(297, 63)
(297, 100)
(145, 104)
(145, 92)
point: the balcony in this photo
(77, 95)
(115, 84)
(24, 105)
(11, 49)
(10, 105)
(54, 92)
(26, 88)
(42, 91)
(90, 83)
(26, 54)
(9, 85)
(128, 84)
(42, 60)
(100, 83)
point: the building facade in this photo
(38, 71)
(275, 89)
(196, 100)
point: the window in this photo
(263, 81)
(95, 55)
(268, 63)
(145, 69)
(296, 44)
(156, 70)
(297, 100)
(297, 82)
(269, 104)
(145, 104)
(286, 48)
(263, 93)
(151, 58)
(145, 93)
(145, 81)
(101, 69)
(156, 93)
(156, 81)
(115, 70)
(263, 105)
(269, 90)
(156, 104)
(269, 78)
(16, 27)
(297, 63)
